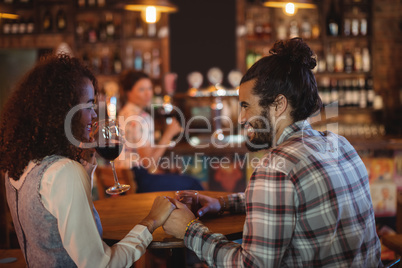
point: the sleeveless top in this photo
(36, 227)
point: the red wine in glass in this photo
(110, 151)
(110, 142)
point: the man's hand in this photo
(177, 222)
(160, 211)
(208, 205)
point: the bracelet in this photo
(223, 205)
(188, 225)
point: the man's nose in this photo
(241, 119)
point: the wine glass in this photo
(109, 144)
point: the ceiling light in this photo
(290, 8)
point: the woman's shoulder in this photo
(57, 163)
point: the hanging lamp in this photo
(151, 9)
(7, 12)
(290, 7)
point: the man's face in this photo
(256, 120)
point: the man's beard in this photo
(263, 133)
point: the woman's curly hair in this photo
(32, 121)
(287, 71)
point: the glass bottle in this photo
(333, 25)
(61, 20)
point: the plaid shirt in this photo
(307, 204)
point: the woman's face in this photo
(87, 113)
(141, 93)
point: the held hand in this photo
(177, 222)
(173, 128)
(160, 211)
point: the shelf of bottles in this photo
(343, 69)
(53, 18)
(111, 40)
(263, 26)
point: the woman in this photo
(48, 183)
(140, 153)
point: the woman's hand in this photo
(160, 211)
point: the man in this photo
(308, 202)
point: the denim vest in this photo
(36, 227)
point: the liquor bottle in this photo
(281, 31)
(321, 63)
(91, 3)
(370, 92)
(22, 27)
(81, 3)
(293, 29)
(348, 93)
(355, 27)
(363, 94)
(147, 63)
(105, 60)
(258, 28)
(250, 24)
(315, 30)
(334, 91)
(61, 20)
(333, 25)
(267, 28)
(355, 93)
(363, 26)
(358, 64)
(366, 60)
(117, 65)
(139, 30)
(102, 31)
(138, 60)
(128, 60)
(156, 63)
(330, 60)
(80, 31)
(348, 61)
(101, 3)
(326, 92)
(47, 21)
(30, 25)
(7, 26)
(341, 93)
(346, 27)
(110, 29)
(339, 65)
(151, 29)
(306, 29)
(92, 34)
(15, 27)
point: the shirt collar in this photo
(132, 107)
(290, 130)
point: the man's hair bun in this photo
(296, 51)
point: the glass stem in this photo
(116, 181)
